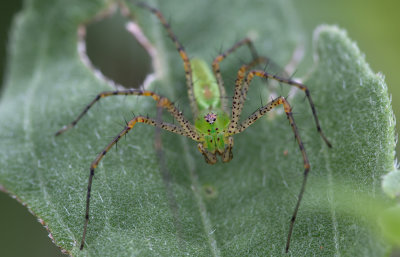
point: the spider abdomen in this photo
(205, 87)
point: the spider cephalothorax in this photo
(213, 126)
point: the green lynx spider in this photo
(213, 128)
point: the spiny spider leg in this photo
(288, 110)
(161, 102)
(221, 57)
(166, 126)
(238, 97)
(242, 72)
(186, 129)
(182, 53)
(238, 106)
(240, 93)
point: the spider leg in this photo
(221, 57)
(140, 119)
(236, 109)
(234, 127)
(161, 102)
(240, 93)
(242, 72)
(210, 158)
(185, 129)
(182, 53)
(288, 110)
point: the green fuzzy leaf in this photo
(185, 207)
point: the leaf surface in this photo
(241, 208)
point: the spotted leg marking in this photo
(242, 92)
(288, 110)
(161, 102)
(140, 119)
(221, 57)
(182, 53)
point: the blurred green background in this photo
(374, 25)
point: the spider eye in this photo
(210, 117)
